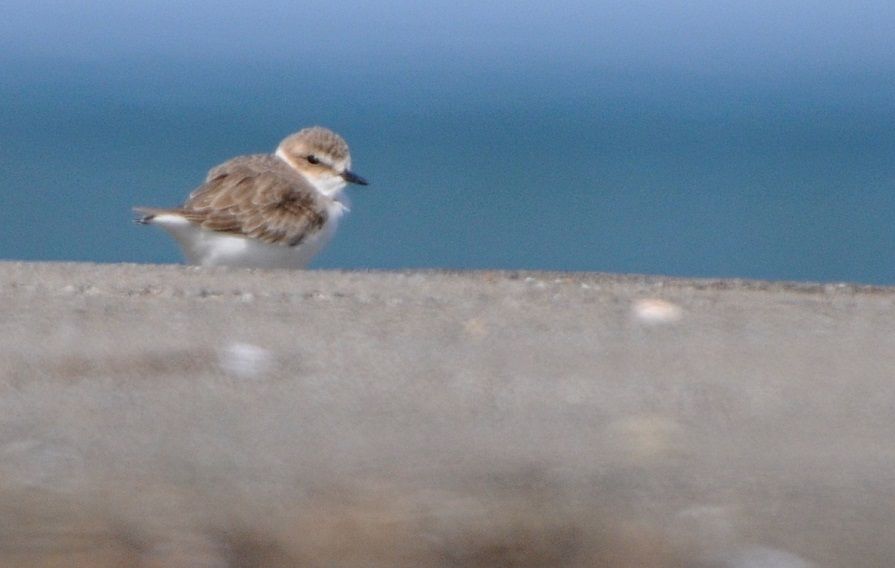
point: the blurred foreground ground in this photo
(173, 416)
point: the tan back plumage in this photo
(257, 196)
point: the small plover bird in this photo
(264, 210)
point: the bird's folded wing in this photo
(259, 199)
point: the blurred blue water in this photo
(474, 164)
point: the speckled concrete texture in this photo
(179, 416)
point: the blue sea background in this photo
(710, 139)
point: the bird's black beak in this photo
(352, 177)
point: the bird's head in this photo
(322, 157)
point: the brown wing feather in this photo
(259, 197)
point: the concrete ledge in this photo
(175, 416)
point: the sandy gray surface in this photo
(175, 416)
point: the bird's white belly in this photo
(215, 249)
(211, 248)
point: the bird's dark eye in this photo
(313, 159)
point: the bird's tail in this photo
(145, 215)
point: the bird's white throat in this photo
(329, 185)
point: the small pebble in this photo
(245, 360)
(656, 311)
